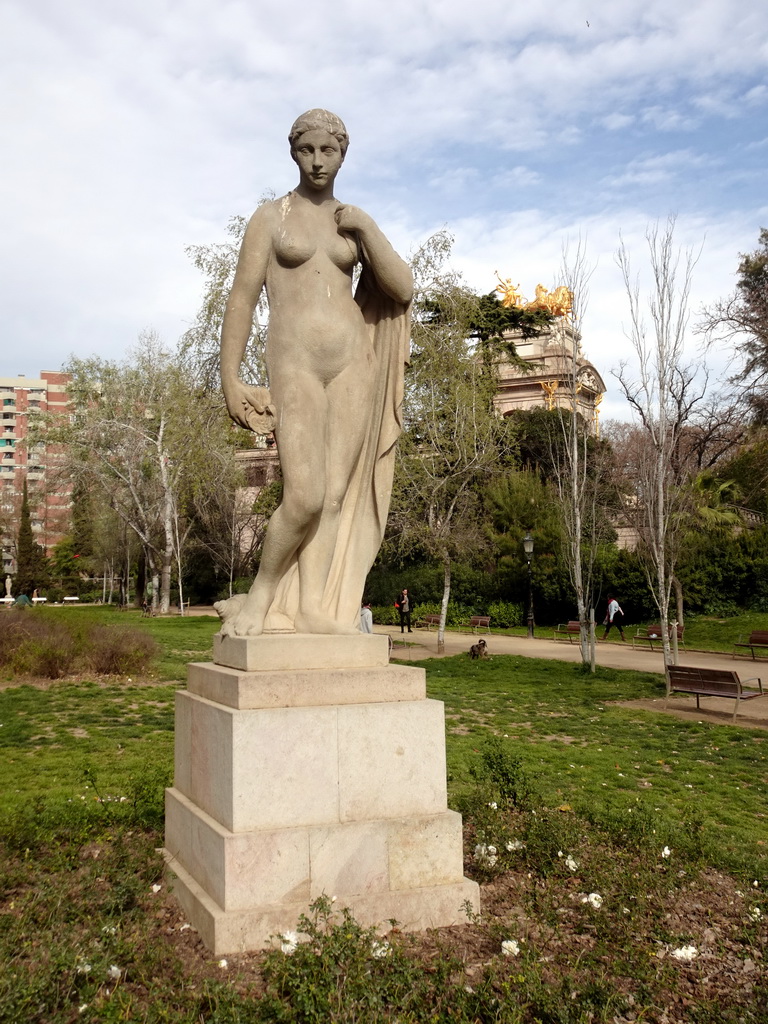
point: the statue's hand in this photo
(352, 218)
(250, 407)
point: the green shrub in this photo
(505, 614)
(385, 615)
(501, 773)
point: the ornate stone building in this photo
(547, 378)
(545, 382)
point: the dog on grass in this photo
(478, 650)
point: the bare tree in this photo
(664, 392)
(580, 478)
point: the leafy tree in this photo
(83, 503)
(453, 439)
(31, 563)
(748, 468)
(131, 440)
(517, 502)
(200, 344)
(743, 319)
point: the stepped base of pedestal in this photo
(239, 931)
(291, 784)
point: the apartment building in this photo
(40, 464)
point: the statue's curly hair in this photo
(323, 120)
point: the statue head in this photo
(319, 120)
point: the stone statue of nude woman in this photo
(335, 363)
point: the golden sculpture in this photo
(558, 303)
(510, 295)
(598, 400)
(550, 387)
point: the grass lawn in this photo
(549, 772)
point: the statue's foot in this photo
(237, 619)
(316, 622)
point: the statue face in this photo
(319, 157)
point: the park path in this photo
(753, 714)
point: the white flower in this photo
(290, 942)
(594, 900)
(755, 914)
(224, 964)
(515, 844)
(486, 854)
(83, 968)
(156, 888)
(666, 852)
(114, 972)
(685, 953)
(559, 853)
(570, 863)
(493, 805)
(755, 884)
(380, 950)
(82, 1008)
(510, 947)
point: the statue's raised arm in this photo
(335, 363)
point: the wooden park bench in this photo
(757, 638)
(478, 623)
(710, 682)
(430, 621)
(568, 631)
(652, 635)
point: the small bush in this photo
(36, 643)
(31, 645)
(118, 650)
(502, 772)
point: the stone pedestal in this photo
(309, 765)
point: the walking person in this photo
(614, 617)
(404, 605)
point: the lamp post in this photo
(528, 549)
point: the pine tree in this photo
(31, 567)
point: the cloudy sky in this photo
(131, 130)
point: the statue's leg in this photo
(302, 410)
(349, 405)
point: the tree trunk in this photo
(165, 583)
(444, 605)
(678, 600)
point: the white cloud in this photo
(132, 130)
(615, 122)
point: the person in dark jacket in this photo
(404, 604)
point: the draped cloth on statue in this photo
(366, 504)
